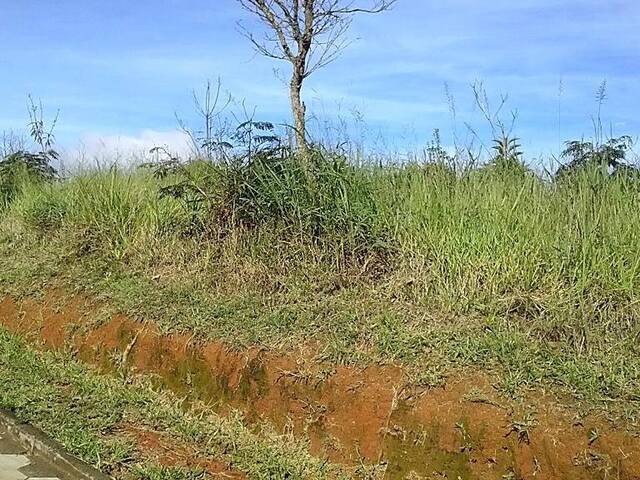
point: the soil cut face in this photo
(463, 430)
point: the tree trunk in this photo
(297, 108)
(299, 123)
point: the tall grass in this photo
(112, 211)
(554, 262)
(516, 244)
(486, 241)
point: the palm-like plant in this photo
(507, 149)
(22, 165)
(507, 154)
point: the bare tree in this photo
(309, 34)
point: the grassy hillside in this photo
(494, 268)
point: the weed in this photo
(523, 427)
(467, 443)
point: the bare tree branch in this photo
(309, 34)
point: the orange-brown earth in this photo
(460, 431)
(164, 450)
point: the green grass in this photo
(84, 411)
(159, 472)
(535, 282)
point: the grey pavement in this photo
(16, 463)
(26, 453)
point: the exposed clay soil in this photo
(461, 431)
(165, 451)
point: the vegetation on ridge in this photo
(493, 267)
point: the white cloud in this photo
(104, 150)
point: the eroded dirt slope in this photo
(463, 430)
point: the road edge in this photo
(37, 442)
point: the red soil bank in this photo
(349, 414)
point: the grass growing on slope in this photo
(84, 411)
(538, 281)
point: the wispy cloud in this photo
(105, 150)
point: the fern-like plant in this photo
(608, 157)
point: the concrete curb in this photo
(36, 442)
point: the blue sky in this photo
(119, 69)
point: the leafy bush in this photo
(267, 186)
(604, 159)
(20, 168)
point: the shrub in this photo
(268, 186)
(598, 159)
(20, 168)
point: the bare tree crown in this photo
(307, 33)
